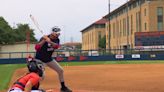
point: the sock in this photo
(63, 85)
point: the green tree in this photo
(102, 42)
(9, 35)
(22, 30)
(6, 33)
(79, 46)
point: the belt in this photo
(15, 88)
(19, 83)
(11, 90)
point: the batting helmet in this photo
(55, 29)
(36, 66)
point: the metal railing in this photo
(100, 52)
(15, 54)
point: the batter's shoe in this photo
(65, 89)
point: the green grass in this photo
(111, 62)
(6, 72)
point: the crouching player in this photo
(30, 82)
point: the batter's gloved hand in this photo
(46, 38)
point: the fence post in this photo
(9, 55)
(80, 52)
(22, 55)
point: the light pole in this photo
(127, 25)
(109, 24)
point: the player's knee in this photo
(60, 71)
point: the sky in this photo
(71, 16)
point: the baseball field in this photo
(101, 76)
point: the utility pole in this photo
(127, 25)
(140, 20)
(71, 39)
(109, 36)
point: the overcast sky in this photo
(70, 15)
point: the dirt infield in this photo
(107, 78)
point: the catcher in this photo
(30, 82)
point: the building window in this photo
(128, 25)
(117, 28)
(100, 26)
(99, 34)
(142, 1)
(145, 26)
(138, 21)
(160, 26)
(160, 18)
(109, 28)
(120, 28)
(99, 37)
(137, 3)
(114, 30)
(131, 24)
(124, 27)
(145, 12)
(134, 5)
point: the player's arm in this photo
(42, 42)
(28, 87)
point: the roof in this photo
(101, 21)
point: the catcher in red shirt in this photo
(30, 82)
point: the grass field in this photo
(7, 70)
(111, 62)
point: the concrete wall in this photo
(4, 49)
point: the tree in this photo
(102, 42)
(22, 30)
(6, 33)
(9, 35)
(79, 46)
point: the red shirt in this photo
(33, 77)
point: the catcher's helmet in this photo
(36, 66)
(55, 29)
